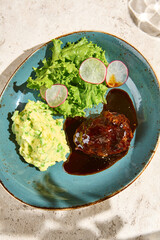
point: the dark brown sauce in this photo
(79, 163)
(119, 101)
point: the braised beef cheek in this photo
(107, 134)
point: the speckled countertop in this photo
(133, 214)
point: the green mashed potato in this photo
(41, 138)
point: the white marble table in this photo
(133, 214)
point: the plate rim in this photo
(122, 188)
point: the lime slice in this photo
(117, 74)
(56, 95)
(92, 70)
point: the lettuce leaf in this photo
(63, 68)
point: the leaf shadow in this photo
(21, 220)
(24, 90)
(51, 192)
(149, 236)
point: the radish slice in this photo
(56, 95)
(92, 70)
(117, 74)
(43, 92)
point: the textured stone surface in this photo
(134, 214)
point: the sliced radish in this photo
(92, 70)
(56, 95)
(43, 92)
(117, 74)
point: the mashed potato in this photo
(41, 138)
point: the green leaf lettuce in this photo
(63, 68)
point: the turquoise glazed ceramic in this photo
(55, 189)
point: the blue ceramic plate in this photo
(55, 189)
